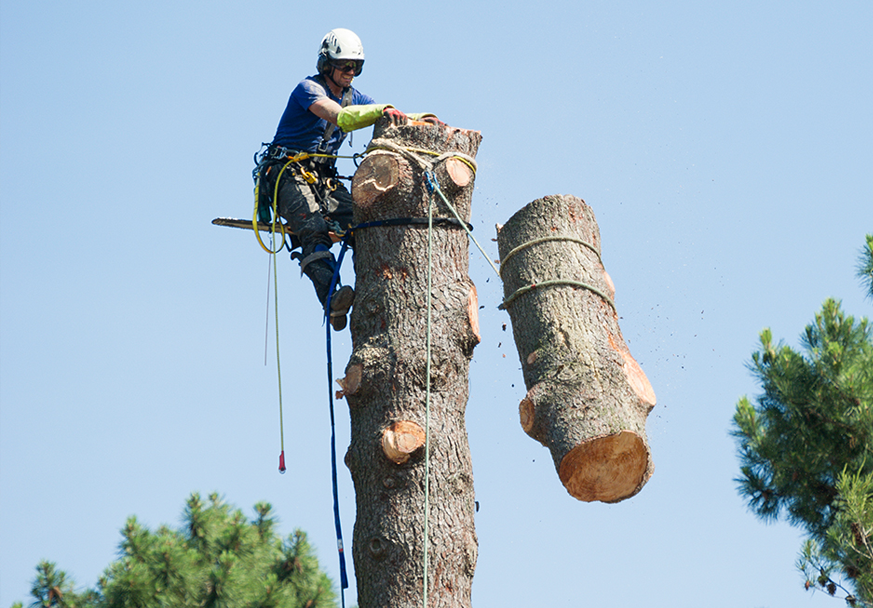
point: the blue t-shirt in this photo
(299, 129)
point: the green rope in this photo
(427, 394)
(470, 234)
(278, 364)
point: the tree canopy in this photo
(806, 444)
(217, 558)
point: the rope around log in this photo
(555, 282)
(427, 166)
(432, 183)
(546, 239)
(412, 154)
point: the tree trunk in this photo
(587, 397)
(385, 382)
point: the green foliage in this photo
(848, 545)
(218, 559)
(52, 587)
(806, 446)
(865, 266)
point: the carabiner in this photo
(431, 182)
(309, 177)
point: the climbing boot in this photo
(319, 267)
(340, 303)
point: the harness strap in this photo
(329, 129)
(318, 255)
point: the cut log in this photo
(385, 383)
(587, 398)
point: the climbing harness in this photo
(304, 164)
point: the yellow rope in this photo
(409, 152)
(275, 214)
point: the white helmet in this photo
(340, 45)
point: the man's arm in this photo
(326, 109)
(352, 118)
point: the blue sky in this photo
(725, 149)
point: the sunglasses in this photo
(347, 66)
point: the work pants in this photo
(312, 211)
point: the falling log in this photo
(587, 398)
(385, 383)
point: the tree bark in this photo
(385, 382)
(587, 397)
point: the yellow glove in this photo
(352, 118)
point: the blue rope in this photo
(344, 580)
(430, 221)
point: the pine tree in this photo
(52, 588)
(806, 447)
(865, 266)
(217, 559)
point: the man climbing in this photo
(321, 110)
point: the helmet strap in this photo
(329, 74)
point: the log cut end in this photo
(608, 469)
(378, 174)
(352, 381)
(473, 313)
(401, 439)
(459, 171)
(527, 413)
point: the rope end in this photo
(282, 462)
